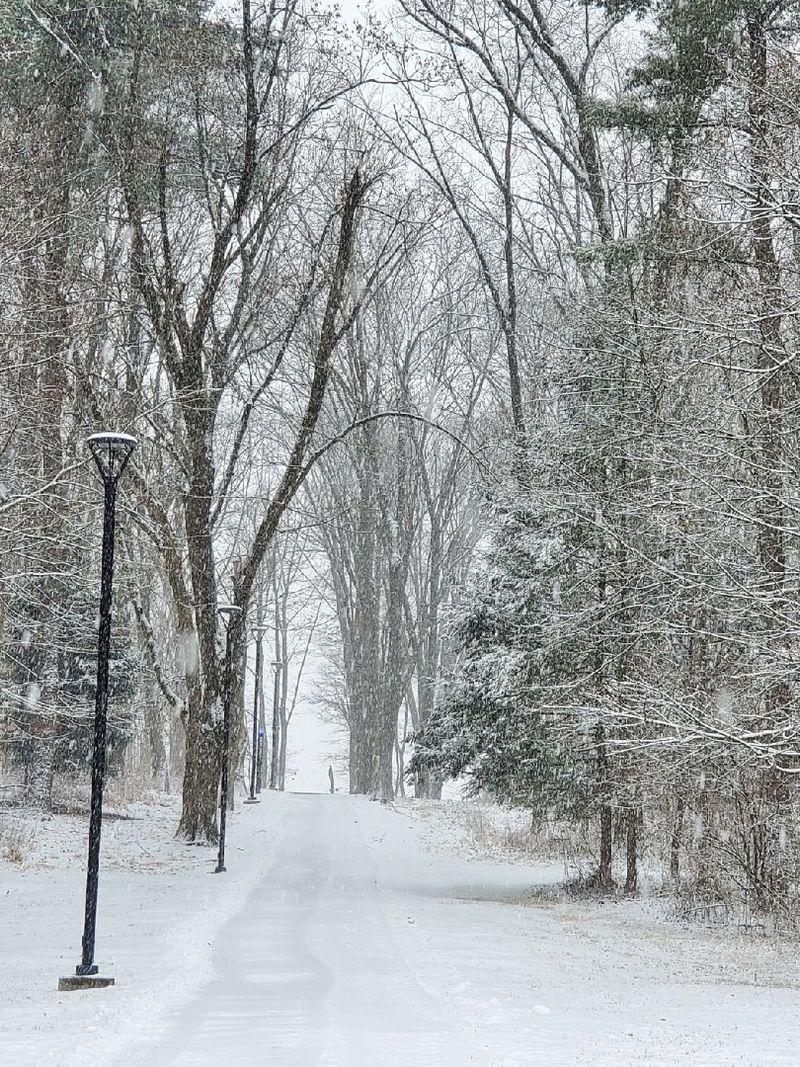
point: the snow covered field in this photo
(346, 934)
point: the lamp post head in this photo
(111, 452)
(227, 612)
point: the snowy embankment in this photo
(159, 909)
(548, 981)
(537, 978)
(349, 933)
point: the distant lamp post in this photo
(260, 630)
(226, 612)
(111, 452)
(260, 767)
(274, 771)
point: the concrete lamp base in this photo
(83, 981)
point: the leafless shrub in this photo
(16, 843)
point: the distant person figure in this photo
(330, 777)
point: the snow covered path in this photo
(366, 946)
(347, 933)
(308, 973)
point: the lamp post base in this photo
(252, 800)
(83, 981)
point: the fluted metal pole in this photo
(87, 964)
(254, 742)
(226, 742)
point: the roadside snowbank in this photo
(556, 982)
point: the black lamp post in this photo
(111, 452)
(260, 764)
(274, 770)
(257, 697)
(226, 612)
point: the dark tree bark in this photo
(632, 819)
(676, 841)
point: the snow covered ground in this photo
(347, 933)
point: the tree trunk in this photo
(157, 743)
(675, 843)
(39, 792)
(361, 776)
(200, 788)
(387, 739)
(201, 773)
(631, 842)
(282, 762)
(428, 785)
(605, 878)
